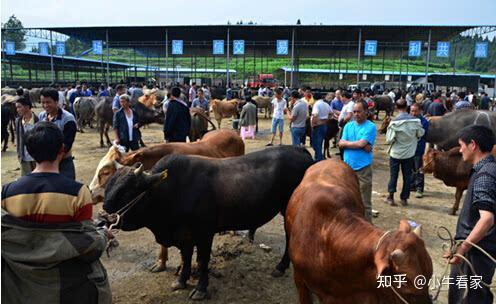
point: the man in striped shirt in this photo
(45, 195)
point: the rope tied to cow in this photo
(115, 218)
(379, 242)
(451, 248)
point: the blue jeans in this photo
(296, 135)
(277, 122)
(318, 135)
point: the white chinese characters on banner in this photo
(414, 48)
(177, 47)
(282, 47)
(443, 49)
(218, 47)
(97, 47)
(480, 50)
(238, 47)
(370, 48)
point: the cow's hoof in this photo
(177, 285)
(453, 212)
(277, 273)
(158, 267)
(197, 295)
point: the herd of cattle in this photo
(226, 189)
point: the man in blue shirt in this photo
(418, 177)
(86, 92)
(116, 103)
(201, 102)
(103, 92)
(357, 142)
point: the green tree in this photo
(16, 34)
(75, 47)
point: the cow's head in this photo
(105, 169)
(403, 252)
(126, 185)
(428, 160)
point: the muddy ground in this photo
(240, 271)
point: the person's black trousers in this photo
(417, 181)
(406, 171)
(484, 267)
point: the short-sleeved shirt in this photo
(116, 103)
(299, 113)
(347, 108)
(47, 198)
(279, 106)
(321, 109)
(66, 123)
(336, 105)
(200, 103)
(358, 159)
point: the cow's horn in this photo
(418, 231)
(398, 256)
(118, 165)
(139, 170)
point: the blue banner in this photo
(443, 49)
(218, 47)
(414, 48)
(60, 48)
(177, 47)
(10, 48)
(282, 47)
(43, 48)
(97, 47)
(370, 48)
(481, 50)
(238, 47)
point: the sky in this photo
(53, 13)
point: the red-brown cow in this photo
(449, 167)
(337, 255)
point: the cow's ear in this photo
(381, 264)
(404, 226)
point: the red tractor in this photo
(263, 80)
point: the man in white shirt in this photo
(279, 108)
(346, 113)
(261, 91)
(318, 120)
(192, 93)
(392, 96)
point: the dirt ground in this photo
(240, 271)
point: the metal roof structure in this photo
(368, 72)
(62, 62)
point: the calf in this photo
(449, 167)
(224, 108)
(337, 255)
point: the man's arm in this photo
(70, 130)
(115, 125)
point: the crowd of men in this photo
(44, 145)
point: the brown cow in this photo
(216, 144)
(337, 255)
(224, 108)
(449, 167)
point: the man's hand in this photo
(343, 143)
(368, 148)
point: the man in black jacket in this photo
(177, 120)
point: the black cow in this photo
(105, 115)
(201, 197)
(8, 120)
